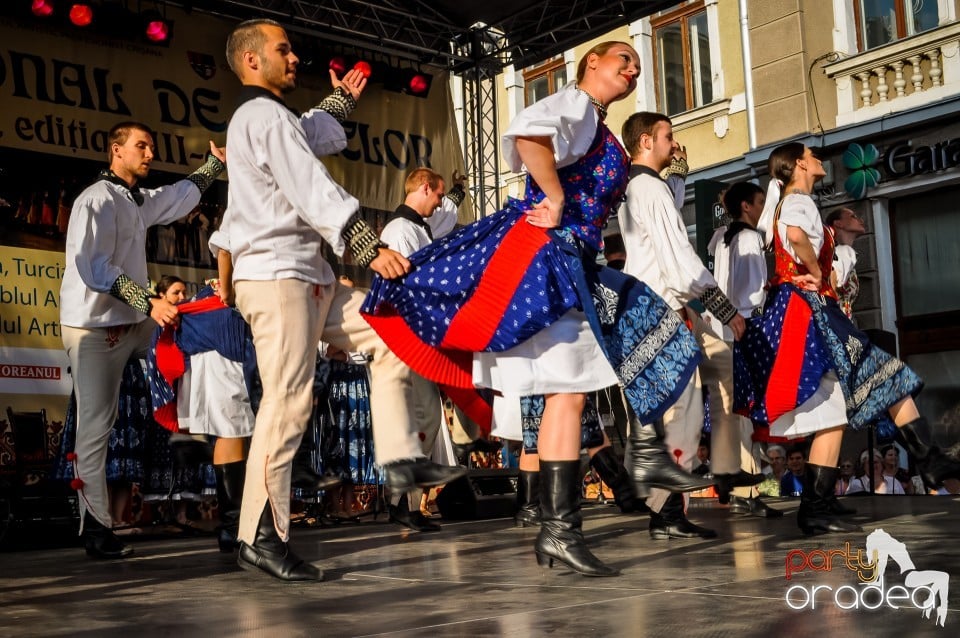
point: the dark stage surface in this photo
(481, 579)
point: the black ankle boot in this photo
(101, 542)
(815, 515)
(528, 499)
(752, 507)
(612, 472)
(651, 465)
(270, 554)
(561, 533)
(671, 522)
(726, 482)
(932, 464)
(230, 478)
(304, 476)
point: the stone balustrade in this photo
(898, 76)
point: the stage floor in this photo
(481, 579)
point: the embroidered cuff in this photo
(363, 242)
(456, 194)
(718, 304)
(205, 175)
(131, 293)
(678, 166)
(339, 104)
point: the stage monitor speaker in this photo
(480, 494)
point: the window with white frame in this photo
(684, 74)
(544, 79)
(881, 22)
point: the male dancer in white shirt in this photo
(740, 269)
(660, 254)
(105, 303)
(282, 205)
(427, 213)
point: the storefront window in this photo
(927, 237)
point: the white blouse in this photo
(567, 117)
(801, 211)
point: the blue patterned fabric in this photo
(531, 413)
(650, 348)
(871, 379)
(647, 344)
(341, 426)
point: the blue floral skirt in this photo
(802, 336)
(497, 282)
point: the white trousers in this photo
(288, 318)
(97, 359)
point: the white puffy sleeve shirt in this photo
(403, 236)
(107, 237)
(844, 262)
(444, 218)
(283, 203)
(800, 211)
(740, 270)
(567, 118)
(659, 253)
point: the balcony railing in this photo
(899, 76)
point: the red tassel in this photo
(76, 484)
(71, 456)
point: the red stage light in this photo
(418, 84)
(81, 15)
(338, 65)
(364, 68)
(157, 31)
(42, 8)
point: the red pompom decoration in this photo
(71, 456)
(364, 68)
(422, 435)
(76, 484)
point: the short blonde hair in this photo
(420, 176)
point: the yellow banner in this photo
(61, 90)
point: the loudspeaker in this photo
(480, 494)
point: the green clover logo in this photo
(860, 161)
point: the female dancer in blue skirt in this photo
(516, 301)
(806, 369)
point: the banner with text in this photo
(61, 90)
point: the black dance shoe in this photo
(271, 555)
(403, 476)
(100, 542)
(401, 515)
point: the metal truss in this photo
(481, 131)
(436, 32)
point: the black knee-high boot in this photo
(815, 515)
(612, 472)
(932, 464)
(230, 478)
(561, 522)
(528, 499)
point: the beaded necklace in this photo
(600, 107)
